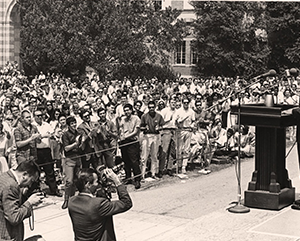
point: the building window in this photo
(180, 54)
(194, 57)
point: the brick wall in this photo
(9, 32)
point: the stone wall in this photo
(10, 32)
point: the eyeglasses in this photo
(9, 119)
(86, 116)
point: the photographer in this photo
(13, 208)
(26, 137)
(71, 140)
(92, 216)
(106, 137)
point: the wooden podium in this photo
(270, 187)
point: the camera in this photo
(106, 186)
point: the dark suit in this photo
(12, 210)
(296, 114)
(92, 216)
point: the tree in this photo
(68, 35)
(227, 40)
(283, 34)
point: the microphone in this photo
(271, 72)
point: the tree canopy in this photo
(227, 42)
(68, 35)
(283, 34)
(115, 36)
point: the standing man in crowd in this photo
(13, 208)
(15, 111)
(71, 140)
(26, 137)
(106, 139)
(129, 144)
(184, 119)
(86, 129)
(92, 216)
(44, 156)
(166, 136)
(150, 124)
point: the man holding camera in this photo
(92, 216)
(44, 155)
(13, 208)
(71, 141)
(26, 137)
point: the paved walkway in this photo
(214, 223)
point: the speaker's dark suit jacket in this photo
(92, 216)
(12, 210)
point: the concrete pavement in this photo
(192, 209)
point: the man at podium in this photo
(296, 114)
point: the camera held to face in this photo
(106, 186)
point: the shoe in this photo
(204, 171)
(65, 204)
(295, 206)
(182, 176)
(154, 177)
(297, 202)
(128, 182)
(57, 193)
(159, 174)
(170, 173)
(149, 179)
(137, 185)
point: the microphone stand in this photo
(239, 207)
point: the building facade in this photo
(10, 32)
(184, 58)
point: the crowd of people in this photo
(154, 127)
(81, 133)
